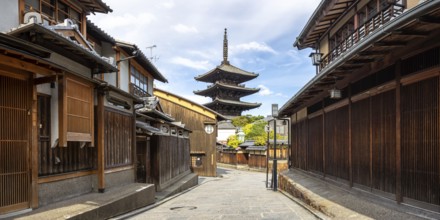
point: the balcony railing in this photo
(136, 90)
(359, 34)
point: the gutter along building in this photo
(378, 127)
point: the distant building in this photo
(227, 88)
(225, 130)
(202, 122)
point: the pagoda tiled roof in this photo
(243, 105)
(226, 69)
(218, 85)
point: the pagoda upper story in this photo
(226, 87)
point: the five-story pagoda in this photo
(227, 88)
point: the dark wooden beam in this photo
(412, 33)
(373, 53)
(360, 61)
(390, 44)
(429, 19)
(398, 134)
(47, 79)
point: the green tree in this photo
(233, 141)
(243, 120)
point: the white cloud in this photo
(168, 5)
(198, 65)
(252, 46)
(180, 28)
(264, 91)
(124, 20)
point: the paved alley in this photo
(238, 195)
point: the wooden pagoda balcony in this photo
(369, 27)
(136, 90)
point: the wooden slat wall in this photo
(14, 144)
(420, 141)
(229, 158)
(336, 143)
(302, 144)
(242, 158)
(384, 141)
(170, 158)
(257, 160)
(79, 107)
(118, 138)
(360, 125)
(71, 158)
(314, 156)
(281, 153)
(199, 139)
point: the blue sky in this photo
(189, 38)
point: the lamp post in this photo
(275, 176)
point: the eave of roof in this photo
(386, 30)
(96, 6)
(320, 14)
(226, 68)
(218, 115)
(218, 85)
(103, 66)
(95, 31)
(142, 60)
(233, 103)
(16, 44)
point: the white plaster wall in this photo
(70, 65)
(223, 134)
(124, 74)
(107, 51)
(9, 15)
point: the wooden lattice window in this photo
(54, 11)
(75, 111)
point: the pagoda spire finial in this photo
(225, 47)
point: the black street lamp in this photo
(275, 176)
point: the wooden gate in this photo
(14, 144)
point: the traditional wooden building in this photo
(202, 122)
(47, 110)
(119, 95)
(227, 88)
(370, 117)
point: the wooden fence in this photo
(170, 159)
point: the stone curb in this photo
(327, 207)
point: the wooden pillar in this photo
(350, 157)
(323, 139)
(370, 122)
(34, 146)
(100, 138)
(134, 146)
(398, 134)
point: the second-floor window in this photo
(54, 11)
(139, 82)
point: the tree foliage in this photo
(253, 128)
(243, 120)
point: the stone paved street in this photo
(238, 195)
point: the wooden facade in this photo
(382, 134)
(196, 118)
(170, 159)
